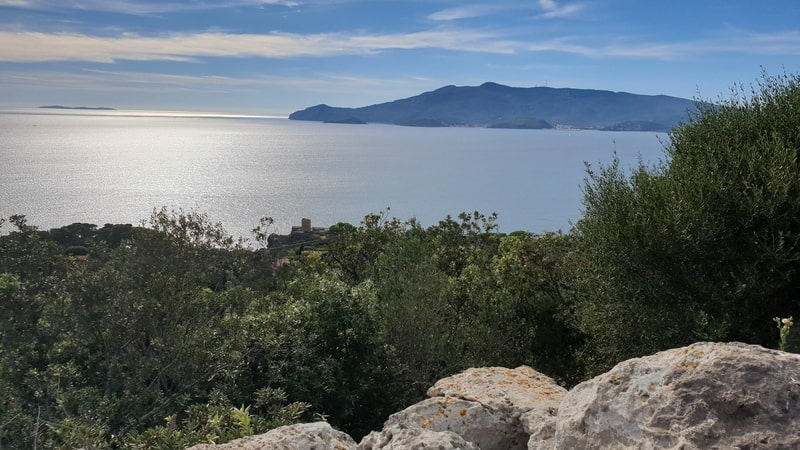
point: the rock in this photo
(472, 421)
(706, 395)
(492, 408)
(522, 393)
(307, 436)
(540, 424)
(398, 437)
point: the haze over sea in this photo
(115, 167)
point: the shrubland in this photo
(172, 332)
(704, 246)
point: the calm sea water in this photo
(113, 168)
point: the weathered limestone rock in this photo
(398, 437)
(706, 395)
(540, 424)
(508, 391)
(307, 436)
(470, 420)
(521, 393)
(485, 407)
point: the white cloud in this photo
(137, 7)
(149, 82)
(548, 4)
(740, 42)
(31, 46)
(18, 3)
(553, 10)
(37, 47)
(108, 81)
(623, 50)
(785, 43)
(464, 12)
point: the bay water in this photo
(116, 167)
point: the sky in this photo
(273, 57)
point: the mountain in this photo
(498, 106)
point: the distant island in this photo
(493, 105)
(349, 120)
(92, 108)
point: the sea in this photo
(64, 166)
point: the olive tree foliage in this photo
(353, 250)
(168, 334)
(32, 269)
(321, 341)
(97, 350)
(702, 246)
(459, 294)
(530, 284)
(191, 228)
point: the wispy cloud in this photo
(739, 42)
(18, 3)
(785, 43)
(553, 10)
(153, 82)
(31, 46)
(110, 81)
(135, 7)
(38, 47)
(469, 11)
(656, 51)
(465, 12)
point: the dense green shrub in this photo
(459, 295)
(705, 246)
(99, 349)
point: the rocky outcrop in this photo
(401, 437)
(706, 395)
(307, 436)
(491, 408)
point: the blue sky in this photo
(275, 56)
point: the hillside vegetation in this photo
(172, 332)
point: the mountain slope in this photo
(495, 105)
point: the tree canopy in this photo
(705, 245)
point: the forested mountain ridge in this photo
(499, 106)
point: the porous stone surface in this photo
(508, 391)
(540, 425)
(470, 420)
(306, 436)
(399, 437)
(490, 407)
(523, 394)
(706, 395)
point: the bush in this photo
(704, 246)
